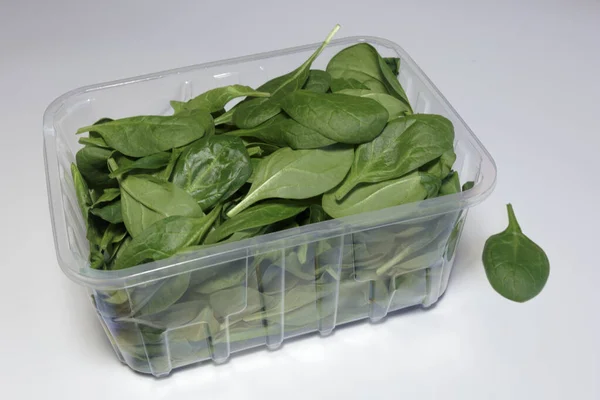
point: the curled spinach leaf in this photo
(216, 99)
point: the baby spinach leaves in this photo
(216, 99)
(516, 267)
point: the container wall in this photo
(264, 294)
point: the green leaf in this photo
(110, 212)
(318, 81)
(165, 238)
(157, 297)
(91, 162)
(392, 84)
(297, 174)
(339, 85)
(146, 199)
(516, 267)
(251, 113)
(255, 217)
(339, 117)
(115, 233)
(358, 63)
(212, 169)
(371, 197)
(441, 166)
(450, 184)
(406, 144)
(394, 107)
(216, 99)
(283, 131)
(107, 196)
(394, 64)
(468, 185)
(151, 162)
(145, 135)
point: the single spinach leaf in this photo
(151, 162)
(255, 217)
(450, 184)
(340, 84)
(165, 238)
(405, 144)
(146, 199)
(468, 185)
(91, 162)
(216, 99)
(516, 267)
(339, 117)
(392, 84)
(283, 131)
(145, 135)
(393, 63)
(107, 196)
(254, 112)
(364, 198)
(110, 212)
(212, 169)
(93, 231)
(94, 141)
(115, 233)
(359, 63)
(441, 166)
(297, 174)
(318, 81)
(394, 107)
(157, 297)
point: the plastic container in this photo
(263, 290)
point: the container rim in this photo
(228, 252)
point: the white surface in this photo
(523, 76)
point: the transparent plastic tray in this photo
(336, 263)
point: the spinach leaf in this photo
(468, 185)
(212, 169)
(318, 81)
(110, 212)
(371, 197)
(216, 99)
(516, 267)
(145, 135)
(392, 84)
(359, 63)
(156, 297)
(251, 113)
(394, 107)
(91, 162)
(394, 64)
(164, 238)
(406, 144)
(441, 166)
(339, 117)
(450, 184)
(115, 233)
(283, 131)
(151, 162)
(93, 231)
(146, 199)
(341, 84)
(297, 174)
(255, 217)
(107, 196)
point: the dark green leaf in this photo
(468, 185)
(516, 267)
(371, 197)
(145, 135)
(255, 217)
(110, 212)
(165, 238)
(318, 81)
(406, 144)
(339, 117)
(91, 161)
(151, 162)
(394, 64)
(359, 63)
(297, 174)
(212, 169)
(216, 99)
(450, 184)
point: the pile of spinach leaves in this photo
(304, 147)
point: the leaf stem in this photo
(513, 225)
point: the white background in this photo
(525, 75)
